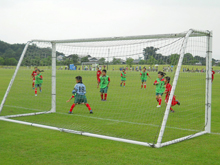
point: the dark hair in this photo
(123, 69)
(144, 68)
(40, 70)
(168, 79)
(104, 70)
(79, 78)
(162, 73)
(35, 67)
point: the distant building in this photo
(60, 58)
(198, 63)
(136, 61)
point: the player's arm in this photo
(148, 75)
(155, 82)
(41, 77)
(70, 98)
(108, 81)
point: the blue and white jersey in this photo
(80, 89)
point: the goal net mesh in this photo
(129, 112)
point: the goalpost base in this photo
(180, 139)
(5, 118)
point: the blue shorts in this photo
(143, 80)
(157, 94)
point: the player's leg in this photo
(71, 108)
(121, 83)
(157, 97)
(124, 83)
(105, 93)
(89, 108)
(145, 84)
(36, 85)
(101, 93)
(159, 100)
(40, 87)
(142, 84)
(33, 84)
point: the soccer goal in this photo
(131, 114)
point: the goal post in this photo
(137, 121)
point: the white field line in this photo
(113, 120)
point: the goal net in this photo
(153, 115)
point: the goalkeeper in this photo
(79, 92)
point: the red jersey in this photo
(213, 72)
(34, 73)
(168, 90)
(98, 74)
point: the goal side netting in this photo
(137, 110)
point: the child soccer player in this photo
(123, 77)
(38, 81)
(80, 98)
(144, 75)
(159, 87)
(213, 72)
(168, 91)
(34, 73)
(98, 74)
(104, 84)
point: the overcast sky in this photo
(23, 20)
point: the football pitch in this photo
(129, 112)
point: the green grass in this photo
(128, 113)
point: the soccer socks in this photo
(102, 96)
(124, 84)
(171, 109)
(105, 96)
(141, 86)
(33, 84)
(145, 86)
(88, 106)
(157, 100)
(71, 109)
(160, 100)
(35, 91)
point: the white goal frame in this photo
(186, 35)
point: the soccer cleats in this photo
(91, 112)
(158, 106)
(178, 102)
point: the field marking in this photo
(118, 121)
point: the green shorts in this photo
(142, 80)
(104, 90)
(157, 94)
(37, 85)
(79, 99)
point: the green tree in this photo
(129, 61)
(11, 61)
(2, 61)
(102, 60)
(116, 61)
(150, 52)
(151, 61)
(75, 59)
(174, 58)
(142, 62)
(85, 59)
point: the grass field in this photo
(129, 113)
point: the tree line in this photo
(36, 56)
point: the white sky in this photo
(23, 20)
